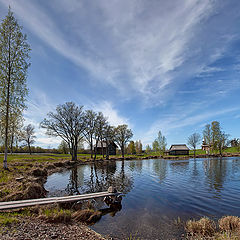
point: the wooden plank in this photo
(64, 197)
(43, 201)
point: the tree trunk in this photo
(29, 149)
(91, 149)
(11, 144)
(102, 148)
(122, 149)
(95, 150)
(194, 152)
(220, 151)
(7, 113)
(74, 156)
(107, 151)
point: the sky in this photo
(172, 66)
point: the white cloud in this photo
(139, 47)
(38, 107)
(112, 114)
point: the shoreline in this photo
(29, 183)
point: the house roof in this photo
(178, 147)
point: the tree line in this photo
(70, 122)
(74, 125)
(214, 138)
(159, 145)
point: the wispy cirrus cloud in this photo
(151, 47)
(158, 56)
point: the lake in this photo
(156, 193)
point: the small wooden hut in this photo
(179, 149)
(102, 148)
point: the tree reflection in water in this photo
(215, 172)
(160, 169)
(102, 175)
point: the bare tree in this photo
(101, 123)
(122, 136)
(109, 137)
(28, 136)
(90, 121)
(67, 123)
(193, 141)
(222, 141)
(14, 55)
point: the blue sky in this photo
(155, 65)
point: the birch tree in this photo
(14, 63)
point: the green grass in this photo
(198, 152)
(37, 157)
(11, 217)
(48, 212)
(232, 150)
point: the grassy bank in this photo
(226, 228)
(27, 169)
(25, 180)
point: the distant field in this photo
(15, 157)
(42, 157)
(51, 156)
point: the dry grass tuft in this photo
(37, 172)
(33, 191)
(229, 223)
(227, 236)
(203, 227)
(88, 216)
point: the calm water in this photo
(156, 193)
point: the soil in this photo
(32, 228)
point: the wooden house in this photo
(102, 148)
(179, 149)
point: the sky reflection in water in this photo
(156, 192)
